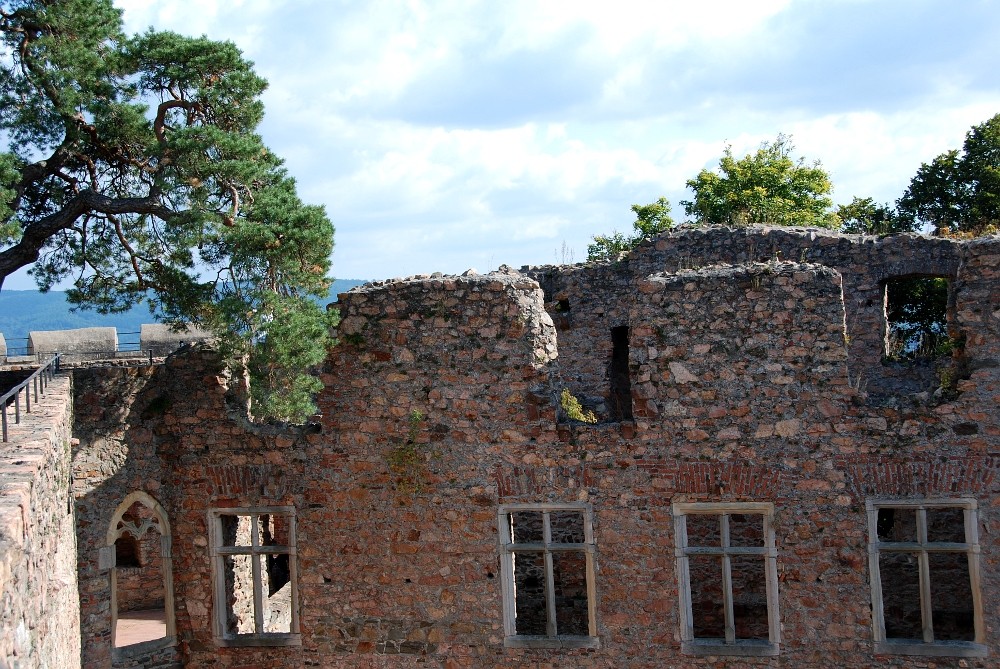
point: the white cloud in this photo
(450, 133)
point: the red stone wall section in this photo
(439, 406)
(116, 454)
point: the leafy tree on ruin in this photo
(864, 216)
(650, 219)
(766, 187)
(959, 191)
(131, 166)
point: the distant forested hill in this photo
(22, 311)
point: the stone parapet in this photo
(80, 340)
(158, 339)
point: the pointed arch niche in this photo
(138, 554)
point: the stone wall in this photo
(39, 607)
(592, 296)
(440, 406)
(115, 456)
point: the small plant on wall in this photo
(573, 409)
(407, 459)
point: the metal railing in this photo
(17, 349)
(129, 341)
(37, 382)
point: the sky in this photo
(443, 135)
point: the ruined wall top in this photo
(593, 295)
(688, 248)
(502, 312)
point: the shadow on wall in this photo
(123, 532)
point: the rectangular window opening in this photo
(253, 562)
(727, 573)
(620, 391)
(916, 318)
(924, 562)
(547, 553)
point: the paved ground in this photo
(138, 626)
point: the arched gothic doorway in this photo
(142, 601)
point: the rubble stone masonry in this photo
(724, 366)
(39, 606)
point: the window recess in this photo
(924, 564)
(254, 576)
(727, 578)
(547, 576)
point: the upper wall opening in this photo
(917, 317)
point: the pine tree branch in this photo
(37, 233)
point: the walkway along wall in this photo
(443, 511)
(39, 606)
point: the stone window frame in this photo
(971, 547)
(217, 555)
(730, 645)
(107, 558)
(508, 549)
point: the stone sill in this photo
(934, 649)
(745, 648)
(565, 429)
(136, 649)
(552, 642)
(259, 640)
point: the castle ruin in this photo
(760, 487)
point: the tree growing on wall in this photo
(867, 217)
(650, 219)
(959, 191)
(131, 165)
(765, 187)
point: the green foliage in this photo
(650, 219)
(133, 165)
(916, 316)
(767, 187)
(573, 409)
(863, 216)
(609, 247)
(9, 177)
(959, 191)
